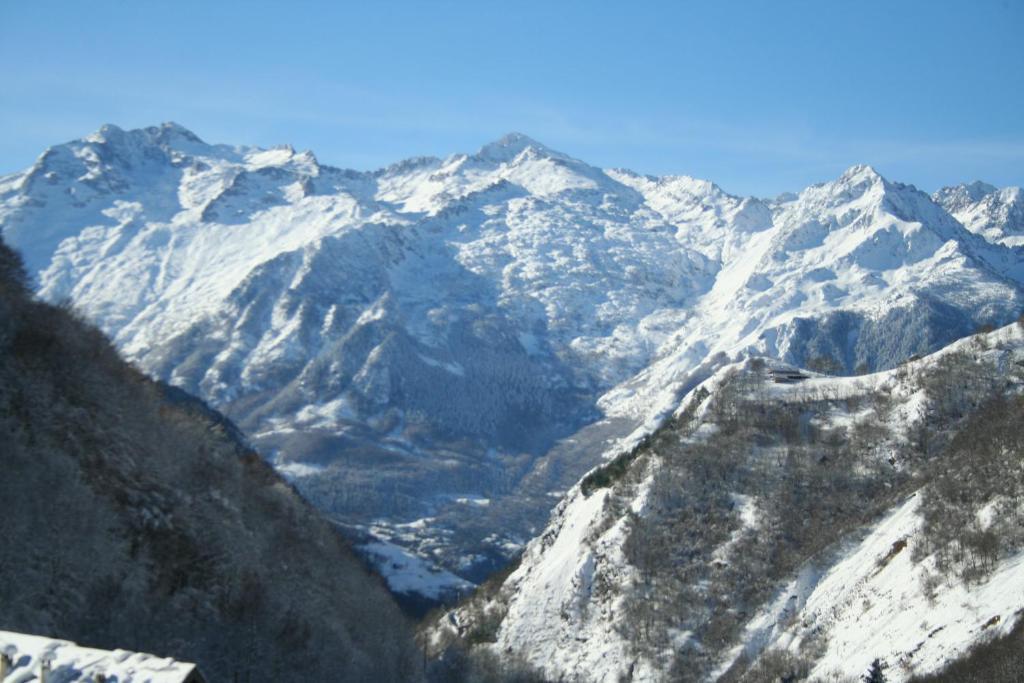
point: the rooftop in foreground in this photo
(26, 657)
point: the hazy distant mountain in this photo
(435, 350)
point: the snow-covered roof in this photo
(70, 663)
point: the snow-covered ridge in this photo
(871, 594)
(437, 326)
(997, 214)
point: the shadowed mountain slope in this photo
(135, 517)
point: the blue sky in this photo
(760, 97)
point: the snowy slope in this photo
(865, 595)
(397, 339)
(407, 574)
(866, 610)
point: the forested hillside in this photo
(134, 517)
(784, 528)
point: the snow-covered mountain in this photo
(433, 351)
(799, 528)
(984, 209)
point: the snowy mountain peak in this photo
(284, 157)
(166, 135)
(996, 214)
(510, 146)
(170, 134)
(860, 184)
(859, 174)
(864, 189)
(105, 133)
(172, 128)
(978, 189)
(958, 197)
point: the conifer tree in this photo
(875, 673)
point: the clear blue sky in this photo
(760, 97)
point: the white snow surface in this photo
(551, 617)
(409, 574)
(867, 606)
(70, 663)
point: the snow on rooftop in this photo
(70, 663)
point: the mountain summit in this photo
(510, 146)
